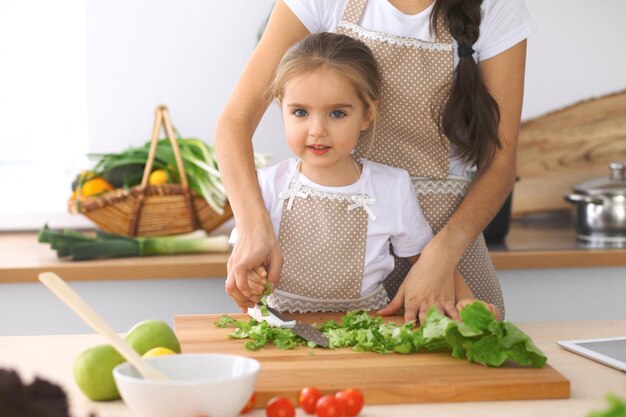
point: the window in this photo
(43, 110)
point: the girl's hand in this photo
(466, 301)
(256, 282)
(253, 259)
(430, 282)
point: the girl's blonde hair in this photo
(343, 54)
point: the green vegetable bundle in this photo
(79, 246)
(478, 337)
(125, 169)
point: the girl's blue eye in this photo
(300, 113)
(337, 114)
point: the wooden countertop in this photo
(590, 381)
(532, 243)
(548, 240)
(22, 258)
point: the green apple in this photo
(93, 372)
(149, 334)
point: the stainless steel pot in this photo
(600, 209)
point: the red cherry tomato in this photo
(249, 405)
(329, 406)
(351, 400)
(308, 398)
(280, 407)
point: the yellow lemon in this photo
(158, 177)
(158, 351)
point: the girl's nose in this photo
(317, 127)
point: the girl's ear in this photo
(369, 115)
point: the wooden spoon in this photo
(82, 309)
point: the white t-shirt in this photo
(399, 219)
(504, 24)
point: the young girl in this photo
(463, 61)
(335, 216)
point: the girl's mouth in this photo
(318, 149)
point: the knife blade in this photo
(275, 319)
(305, 331)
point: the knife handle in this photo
(271, 318)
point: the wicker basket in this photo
(147, 210)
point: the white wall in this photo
(576, 54)
(185, 54)
(188, 55)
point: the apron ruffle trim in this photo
(394, 40)
(452, 185)
(294, 303)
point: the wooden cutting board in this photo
(383, 379)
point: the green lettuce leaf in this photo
(478, 337)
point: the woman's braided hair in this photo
(470, 116)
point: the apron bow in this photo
(364, 201)
(291, 194)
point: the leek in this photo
(80, 246)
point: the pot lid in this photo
(614, 184)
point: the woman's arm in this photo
(504, 77)
(461, 288)
(430, 281)
(244, 109)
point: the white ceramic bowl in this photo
(203, 384)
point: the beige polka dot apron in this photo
(416, 75)
(322, 236)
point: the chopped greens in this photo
(260, 333)
(478, 337)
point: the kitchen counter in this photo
(590, 381)
(533, 242)
(22, 258)
(548, 240)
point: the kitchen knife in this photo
(275, 319)
(305, 331)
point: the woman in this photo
(444, 113)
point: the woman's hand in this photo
(430, 282)
(256, 257)
(257, 245)
(461, 304)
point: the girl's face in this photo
(323, 117)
